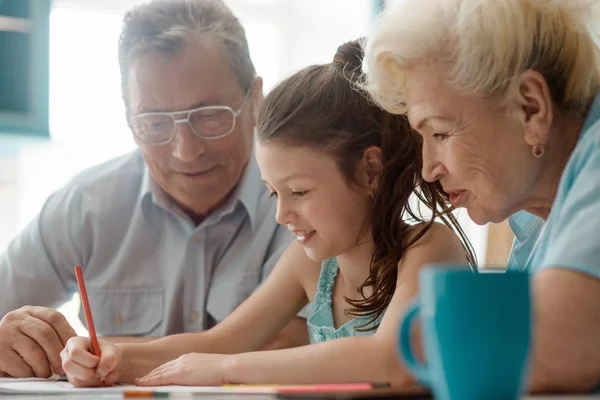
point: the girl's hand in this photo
(194, 369)
(85, 369)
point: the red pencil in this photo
(87, 311)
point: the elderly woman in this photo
(505, 96)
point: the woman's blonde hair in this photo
(484, 45)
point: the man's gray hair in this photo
(166, 26)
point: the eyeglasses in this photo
(209, 123)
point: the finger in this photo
(111, 379)
(45, 336)
(84, 358)
(79, 341)
(162, 375)
(13, 365)
(56, 320)
(109, 359)
(75, 351)
(78, 350)
(85, 383)
(162, 368)
(78, 371)
(161, 379)
(31, 352)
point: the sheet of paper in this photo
(53, 378)
(53, 387)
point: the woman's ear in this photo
(373, 164)
(535, 111)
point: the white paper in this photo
(53, 378)
(14, 386)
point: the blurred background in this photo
(84, 107)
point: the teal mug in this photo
(476, 332)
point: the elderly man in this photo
(173, 236)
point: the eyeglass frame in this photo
(172, 114)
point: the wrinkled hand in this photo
(84, 369)
(194, 369)
(31, 339)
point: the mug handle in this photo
(419, 369)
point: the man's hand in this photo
(31, 339)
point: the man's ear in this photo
(373, 164)
(256, 97)
(534, 107)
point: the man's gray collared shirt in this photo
(149, 269)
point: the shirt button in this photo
(196, 238)
(118, 319)
(194, 316)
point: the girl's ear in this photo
(372, 159)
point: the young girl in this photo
(341, 171)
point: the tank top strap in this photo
(329, 270)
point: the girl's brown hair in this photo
(321, 107)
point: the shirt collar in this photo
(593, 116)
(528, 227)
(523, 224)
(248, 192)
(146, 185)
(150, 191)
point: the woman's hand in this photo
(193, 369)
(85, 369)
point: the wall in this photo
(86, 112)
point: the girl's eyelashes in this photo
(440, 136)
(294, 193)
